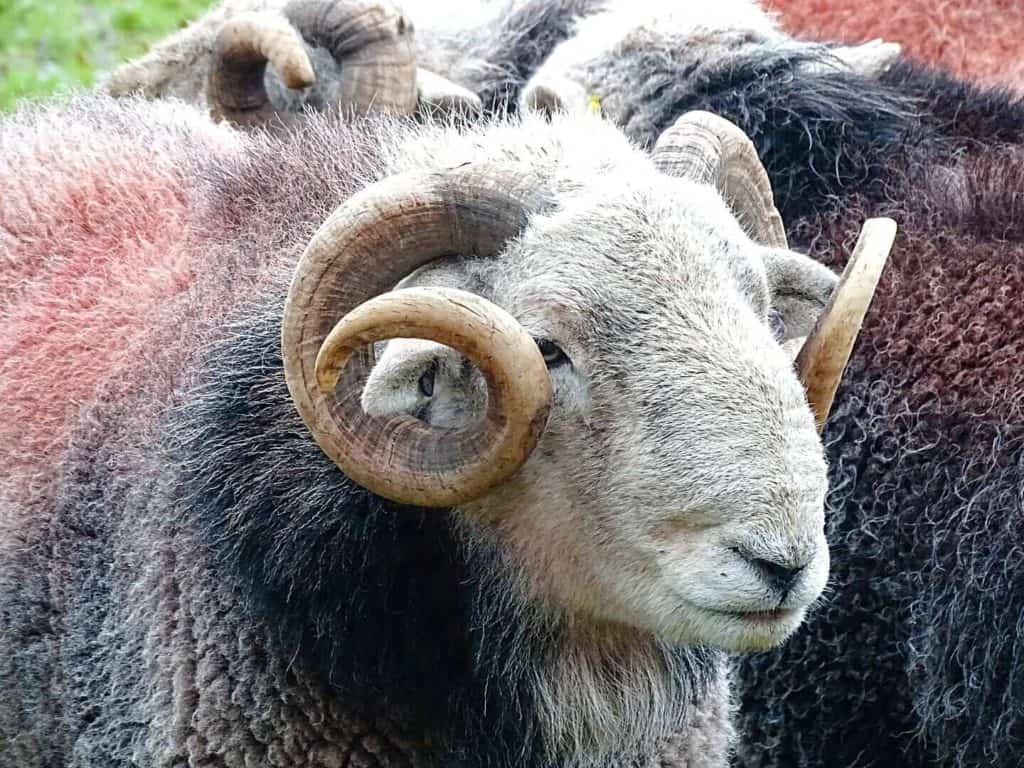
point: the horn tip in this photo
(299, 74)
(326, 377)
(877, 236)
(882, 225)
(326, 369)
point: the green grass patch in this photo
(58, 45)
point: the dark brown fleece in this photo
(916, 659)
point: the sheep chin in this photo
(750, 631)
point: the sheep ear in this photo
(408, 371)
(425, 380)
(800, 289)
(871, 58)
(440, 96)
(394, 385)
(552, 95)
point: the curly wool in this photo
(822, 131)
(103, 324)
(828, 121)
(915, 659)
(171, 594)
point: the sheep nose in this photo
(779, 576)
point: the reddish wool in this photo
(914, 659)
(118, 212)
(979, 40)
(947, 315)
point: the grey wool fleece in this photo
(188, 581)
(148, 657)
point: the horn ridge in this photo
(709, 149)
(341, 299)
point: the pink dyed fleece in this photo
(117, 203)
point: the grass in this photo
(49, 47)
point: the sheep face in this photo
(679, 486)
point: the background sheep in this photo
(469, 54)
(198, 582)
(827, 121)
(978, 41)
(914, 659)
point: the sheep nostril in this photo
(427, 381)
(780, 576)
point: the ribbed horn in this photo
(243, 47)
(373, 44)
(711, 150)
(335, 309)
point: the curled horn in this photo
(240, 54)
(340, 301)
(711, 150)
(371, 41)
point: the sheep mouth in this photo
(769, 616)
(746, 631)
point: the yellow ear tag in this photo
(594, 104)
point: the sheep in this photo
(914, 659)
(473, 56)
(827, 121)
(977, 41)
(249, 551)
(220, 61)
(463, 56)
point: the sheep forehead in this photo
(619, 234)
(571, 151)
(634, 250)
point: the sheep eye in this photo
(777, 324)
(552, 353)
(427, 381)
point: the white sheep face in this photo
(679, 486)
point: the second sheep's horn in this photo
(245, 44)
(823, 357)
